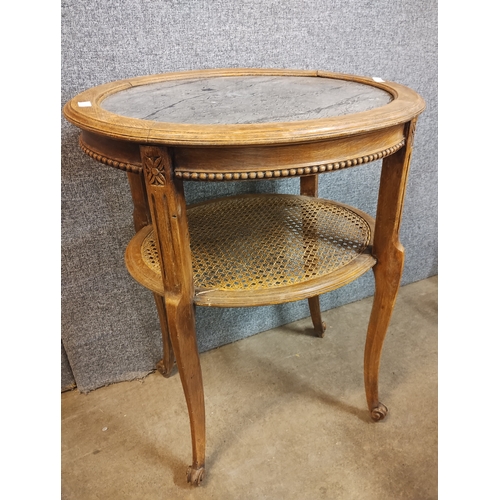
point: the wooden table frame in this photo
(158, 159)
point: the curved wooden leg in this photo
(309, 187)
(169, 216)
(314, 308)
(387, 277)
(142, 217)
(182, 332)
(389, 268)
(165, 365)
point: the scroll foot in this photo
(321, 332)
(160, 366)
(195, 476)
(379, 412)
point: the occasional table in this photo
(257, 249)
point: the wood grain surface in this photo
(249, 124)
(405, 104)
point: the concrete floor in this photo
(286, 418)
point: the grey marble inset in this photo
(248, 99)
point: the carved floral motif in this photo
(155, 171)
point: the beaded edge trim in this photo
(268, 174)
(291, 172)
(127, 167)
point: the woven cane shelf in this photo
(274, 248)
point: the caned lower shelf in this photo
(263, 249)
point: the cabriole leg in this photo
(169, 217)
(389, 268)
(166, 364)
(181, 324)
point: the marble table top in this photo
(245, 99)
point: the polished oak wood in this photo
(404, 106)
(249, 124)
(169, 215)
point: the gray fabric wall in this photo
(110, 330)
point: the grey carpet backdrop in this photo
(110, 330)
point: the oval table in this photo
(251, 124)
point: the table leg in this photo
(169, 217)
(142, 218)
(389, 267)
(309, 187)
(165, 365)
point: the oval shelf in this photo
(263, 249)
